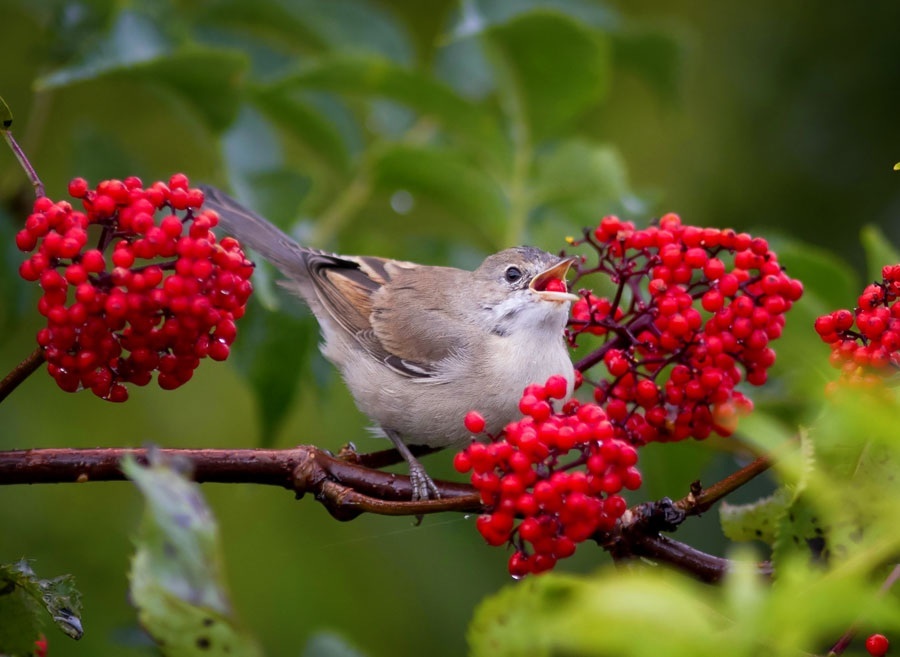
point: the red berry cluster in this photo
(692, 316)
(560, 473)
(872, 350)
(167, 294)
(877, 645)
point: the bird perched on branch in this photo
(420, 346)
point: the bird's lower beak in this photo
(550, 284)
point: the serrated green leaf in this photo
(756, 521)
(272, 353)
(557, 68)
(845, 505)
(177, 574)
(25, 602)
(879, 252)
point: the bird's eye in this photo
(513, 274)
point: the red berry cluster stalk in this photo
(870, 351)
(551, 480)
(158, 293)
(693, 315)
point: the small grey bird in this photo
(420, 346)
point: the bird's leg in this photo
(422, 485)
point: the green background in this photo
(504, 122)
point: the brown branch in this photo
(346, 488)
(21, 372)
(637, 535)
(700, 499)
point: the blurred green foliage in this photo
(436, 132)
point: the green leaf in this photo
(447, 179)
(132, 39)
(374, 77)
(577, 169)
(654, 55)
(756, 521)
(299, 119)
(479, 16)
(177, 573)
(272, 353)
(25, 602)
(557, 68)
(844, 505)
(565, 615)
(206, 79)
(879, 252)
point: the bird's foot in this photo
(423, 488)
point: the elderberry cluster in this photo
(871, 350)
(158, 293)
(558, 474)
(693, 315)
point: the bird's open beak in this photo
(558, 291)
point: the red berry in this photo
(474, 422)
(877, 645)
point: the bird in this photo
(420, 346)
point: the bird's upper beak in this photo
(555, 273)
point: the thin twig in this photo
(21, 372)
(24, 163)
(699, 500)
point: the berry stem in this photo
(700, 499)
(24, 163)
(21, 372)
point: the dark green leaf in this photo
(205, 79)
(272, 352)
(25, 602)
(132, 39)
(654, 55)
(177, 574)
(557, 68)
